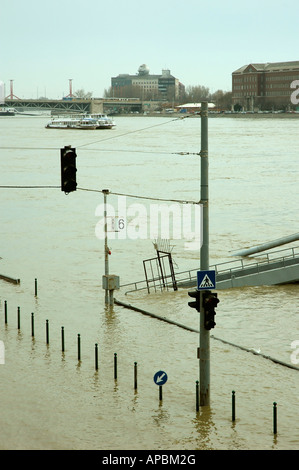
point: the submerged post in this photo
(204, 340)
(96, 356)
(274, 418)
(233, 406)
(105, 192)
(32, 324)
(110, 282)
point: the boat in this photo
(7, 111)
(88, 121)
(72, 123)
(104, 122)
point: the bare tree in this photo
(194, 94)
(81, 94)
(222, 99)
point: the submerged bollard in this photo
(79, 348)
(96, 357)
(19, 318)
(135, 375)
(47, 331)
(197, 395)
(35, 287)
(115, 366)
(5, 312)
(62, 338)
(274, 418)
(233, 406)
(32, 324)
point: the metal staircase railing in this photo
(263, 262)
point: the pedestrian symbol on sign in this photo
(206, 280)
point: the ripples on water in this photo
(49, 401)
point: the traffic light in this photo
(209, 303)
(68, 169)
(195, 304)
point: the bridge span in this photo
(77, 105)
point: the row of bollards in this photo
(234, 407)
(115, 363)
(63, 342)
(274, 412)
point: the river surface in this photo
(52, 400)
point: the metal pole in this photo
(105, 192)
(115, 366)
(96, 356)
(268, 245)
(233, 406)
(135, 375)
(32, 324)
(274, 418)
(204, 363)
(62, 338)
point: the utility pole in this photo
(204, 339)
(105, 192)
(110, 282)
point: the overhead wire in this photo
(103, 140)
(142, 197)
(134, 131)
(111, 138)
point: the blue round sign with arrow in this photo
(160, 378)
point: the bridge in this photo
(77, 105)
(273, 268)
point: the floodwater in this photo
(52, 400)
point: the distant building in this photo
(264, 86)
(147, 86)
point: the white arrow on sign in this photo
(160, 378)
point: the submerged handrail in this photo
(270, 258)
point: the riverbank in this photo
(218, 115)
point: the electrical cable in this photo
(141, 197)
(27, 187)
(100, 191)
(134, 132)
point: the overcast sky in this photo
(46, 43)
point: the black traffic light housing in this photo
(68, 169)
(209, 303)
(196, 303)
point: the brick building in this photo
(264, 86)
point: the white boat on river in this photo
(91, 121)
(104, 122)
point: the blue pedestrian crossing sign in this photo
(160, 378)
(206, 280)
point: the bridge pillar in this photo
(96, 106)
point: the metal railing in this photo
(266, 261)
